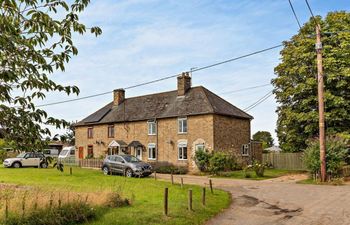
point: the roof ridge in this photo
(206, 96)
(226, 102)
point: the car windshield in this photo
(130, 158)
(64, 152)
(21, 155)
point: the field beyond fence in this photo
(288, 161)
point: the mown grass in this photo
(146, 195)
(334, 182)
(269, 173)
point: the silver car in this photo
(27, 159)
(126, 165)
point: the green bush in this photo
(3, 155)
(202, 158)
(68, 214)
(218, 162)
(171, 169)
(259, 169)
(336, 152)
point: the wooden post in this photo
(166, 201)
(155, 175)
(190, 200)
(203, 196)
(211, 186)
(172, 178)
(70, 171)
(182, 182)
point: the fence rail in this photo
(289, 161)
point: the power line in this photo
(310, 10)
(259, 101)
(167, 77)
(295, 15)
(244, 89)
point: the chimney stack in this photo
(119, 96)
(183, 83)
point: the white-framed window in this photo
(152, 152)
(200, 147)
(245, 150)
(182, 124)
(152, 129)
(182, 148)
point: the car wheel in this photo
(105, 170)
(128, 173)
(16, 165)
(43, 165)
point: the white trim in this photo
(136, 149)
(152, 145)
(245, 150)
(182, 145)
(150, 123)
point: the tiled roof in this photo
(197, 101)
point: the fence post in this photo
(172, 178)
(203, 196)
(166, 201)
(211, 186)
(70, 170)
(190, 200)
(155, 175)
(182, 182)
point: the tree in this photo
(264, 137)
(35, 40)
(295, 87)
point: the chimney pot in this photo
(119, 96)
(183, 83)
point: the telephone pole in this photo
(322, 135)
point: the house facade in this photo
(165, 128)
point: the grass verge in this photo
(269, 173)
(146, 195)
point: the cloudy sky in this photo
(144, 40)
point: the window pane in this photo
(184, 156)
(180, 126)
(184, 129)
(180, 152)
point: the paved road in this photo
(278, 201)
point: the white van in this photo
(51, 152)
(67, 152)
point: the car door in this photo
(112, 163)
(120, 164)
(29, 159)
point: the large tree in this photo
(264, 137)
(296, 84)
(35, 40)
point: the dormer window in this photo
(152, 129)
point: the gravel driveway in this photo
(278, 201)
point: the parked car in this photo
(67, 152)
(127, 165)
(27, 159)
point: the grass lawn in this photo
(269, 173)
(335, 182)
(147, 195)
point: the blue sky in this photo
(144, 40)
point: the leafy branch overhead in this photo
(35, 40)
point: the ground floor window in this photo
(90, 151)
(245, 150)
(200, 147)
(152, 151)
(182, 148)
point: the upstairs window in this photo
(152, 151)
(110, 131)
(182, 148)
(245, 150)
(90, 132)
(182, 124)
(152, 127)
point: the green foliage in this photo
(202, 158)
(220, 161)
(68, 214)
(35, 40)
(259, 168)
(265, 137)
(295, 87)
(336, 152)
(171, 169)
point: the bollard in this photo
(203, 196)
(182, 182)
(190, 200)
(211, 186)
(155, 175)
(172, 178)
(166, 201)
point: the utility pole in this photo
(322, 135)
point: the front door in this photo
(138, 153)
(81, 152)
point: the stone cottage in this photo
(166, 127)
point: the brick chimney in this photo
(183, 83)
(119, 96)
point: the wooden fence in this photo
(289, 161)
(92, 163)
